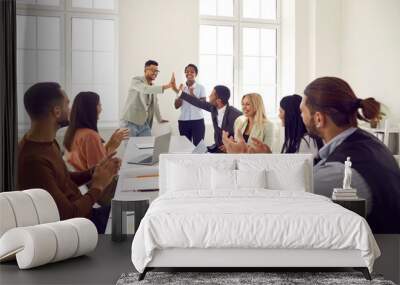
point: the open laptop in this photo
(161, 145)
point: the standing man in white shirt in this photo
(191, 120)
(141, 104)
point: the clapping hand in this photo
(105, 171)
(259, 147)
(117, 137)
(232, 146)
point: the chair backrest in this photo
(294, 168)
(26, 208)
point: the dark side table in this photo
(358, 206)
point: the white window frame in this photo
(103, 124)
(24, 125)
(92, 10)
(235, 45)
(238, 22)
(32, 7)
(66, 12)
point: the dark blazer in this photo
(231, 113)
(376, 164)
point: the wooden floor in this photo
(110, 260)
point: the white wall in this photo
(357, 40)
(166, 31)
(317, 40)
(371, 50)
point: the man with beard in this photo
(142, 104)
(330, 110)
(223, 115)
(40, 162)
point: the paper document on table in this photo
(200, 148)
(145, 145)
(140, 183)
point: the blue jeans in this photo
(138, 130)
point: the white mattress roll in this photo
(45, 205)
(7, 218)
(34, 246)
(23, 207)
(67, 240)
(87, 235)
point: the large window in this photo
(239, 48)
(71, 42)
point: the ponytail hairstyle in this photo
(295, 130)
(83, 115)
(334, 97)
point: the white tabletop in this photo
(178, 144)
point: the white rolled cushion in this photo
(251, 178)
(223, 179)
(33, 246)
(23, 208)
(67, 240)
(37, 245)
(46, 208)
(7, 218)
(87, 235)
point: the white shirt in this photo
(308, 145)
(221, 113)
(188, 111)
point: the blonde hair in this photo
(257, 104)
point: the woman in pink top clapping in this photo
(82, 140)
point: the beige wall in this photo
(371, 50)
(317, 40)
(166, 31)
(357, 40)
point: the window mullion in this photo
(259, 58)
(216, 52)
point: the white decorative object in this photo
(347, 192)
(31, 231)
(347, 174)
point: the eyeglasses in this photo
(156, 71)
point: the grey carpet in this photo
(242, 278)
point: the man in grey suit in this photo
(141, 104)
(223, 115)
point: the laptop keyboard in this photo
(147, 160)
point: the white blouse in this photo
(308, 145)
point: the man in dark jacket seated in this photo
(223, 115)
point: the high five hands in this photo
(240, 146)
(171, 82)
